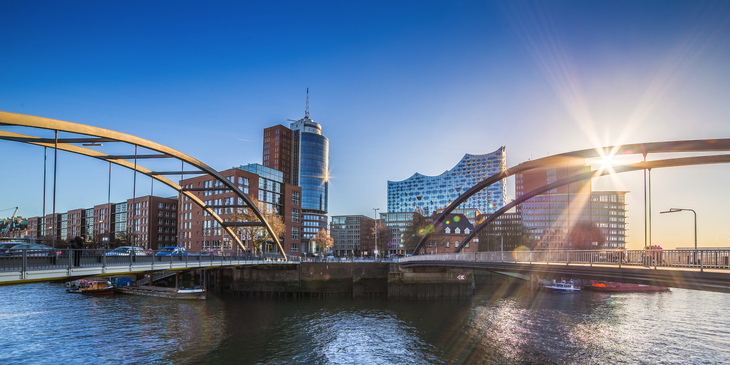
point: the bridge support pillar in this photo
(534, 282)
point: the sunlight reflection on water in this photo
(40, 324)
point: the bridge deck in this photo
(706, 270)
(24, 269)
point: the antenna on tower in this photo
(306, 111)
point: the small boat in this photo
(172, 293)
(562, 287)
(90, 287)
(622, 287)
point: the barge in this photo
(157, 291)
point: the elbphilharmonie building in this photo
(429, 193)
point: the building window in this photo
(295, 233)
(448, 244)
(294, 247)
(295, 197)
(295, 215)
(447, 230)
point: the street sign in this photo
(461, 277)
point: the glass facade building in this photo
(430, 193)
(301, 153)
(310, 164)
(310, 171)
(271, 187)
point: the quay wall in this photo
(355, 280)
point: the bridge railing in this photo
(695, 259)
(25, 260)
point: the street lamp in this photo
(375, 215)
(674, 210)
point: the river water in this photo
(41, 324)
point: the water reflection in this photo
(40, 324)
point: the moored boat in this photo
(156, 291)
(562, 287)
(90, 287)
(623, 287)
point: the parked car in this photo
(203, 253)
(15, 249)
(126, 250)
(172, 251)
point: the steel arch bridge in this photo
(709, 145)
(95, 135)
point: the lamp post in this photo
(674, 210)
(375, 215)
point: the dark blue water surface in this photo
(41, 324)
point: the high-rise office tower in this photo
(301, 152)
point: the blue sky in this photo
(398, 87)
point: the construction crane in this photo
(12, 219)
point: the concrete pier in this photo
(344, 280)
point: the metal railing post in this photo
(702, 264)
(25, 264)
(103, 260)
(590, 258)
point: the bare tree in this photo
(256, 236)
(384, 235)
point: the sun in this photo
(606, 162)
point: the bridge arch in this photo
(709, 145)
(99, 135)
(690, 161)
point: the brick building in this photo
(199, 231)
(449, 234)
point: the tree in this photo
(256, 236)
(583, 235)
(412, 233)
(324, 240)
(384, 234)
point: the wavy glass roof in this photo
(433, 192)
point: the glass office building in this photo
(430, 193)
(310, 171)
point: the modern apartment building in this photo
(429, 193)
(152, 221)
(200, 231)
(551, 216)
(151, 225)
(353, 235)
(398, 223)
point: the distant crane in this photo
(12, 220)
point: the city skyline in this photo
(400, 88)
